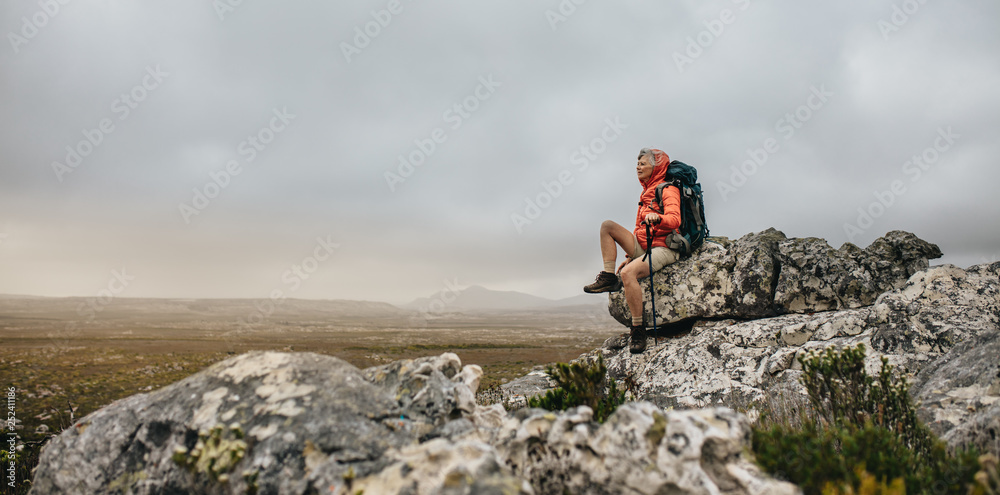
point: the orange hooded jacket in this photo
(670, 217)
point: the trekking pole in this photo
(652, 299)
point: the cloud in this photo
(557, 86)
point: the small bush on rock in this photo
(581, 385)
(843, 393)
(862, 435)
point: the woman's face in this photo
(644, 168)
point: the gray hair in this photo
(652, 155)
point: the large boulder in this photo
(270, 422)
(767, 274)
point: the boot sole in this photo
(614, 288)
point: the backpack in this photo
(693, 230)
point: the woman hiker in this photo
(652, 170)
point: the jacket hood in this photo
(660, 163)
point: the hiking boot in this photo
(637, 339)
(606, 282)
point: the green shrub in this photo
(861, 434)
(843, 393)
(818, 456)
(581, 385)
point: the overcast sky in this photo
(199, 149)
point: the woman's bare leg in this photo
(631, 274)
(612, 236)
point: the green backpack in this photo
(693, 230)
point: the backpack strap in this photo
(679, 243)
(659, 195)
(699, 217)
(675, 240)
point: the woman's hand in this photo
(652, 218)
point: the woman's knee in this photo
(608, 225)
(628, 275)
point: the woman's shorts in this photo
(662, 256)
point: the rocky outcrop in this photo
(940, 326)
(939, 329)
(269, 422)
(767, 274)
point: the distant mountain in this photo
(583, 299)
(477, 298)
(174, 308)
(471, 299)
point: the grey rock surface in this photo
(938, 330)
(312, 423)
(738, 363)
(767, 274)
(640, 449)
(959, 393)
(309, 423)
(534, 383)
